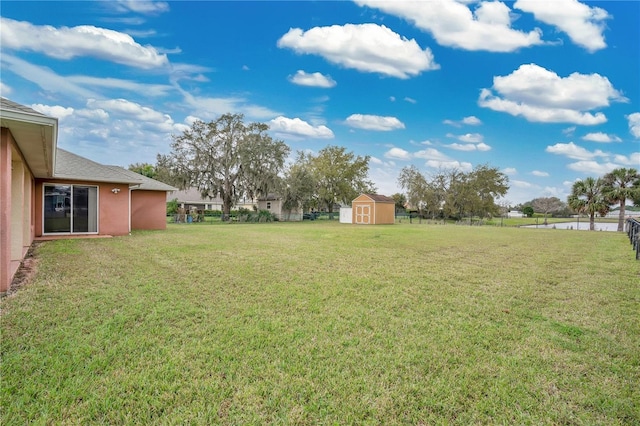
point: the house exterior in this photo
(373, 209)
(274, 204)
(47, 192)
(515, 213)
(192, 199)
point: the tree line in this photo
(593, 196)
(229, 159)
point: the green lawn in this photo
(323, 323)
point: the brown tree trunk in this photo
(621, 216)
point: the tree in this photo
(412, 181)
(340, 176)
(547, 205)
(400, 200)
(488, 183)
(528, 211)
(299, 185)
(619, 185)
(225, 158)
(587, 196)
(475, 193)
(144, 169)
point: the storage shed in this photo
(373, 209)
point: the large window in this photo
(70, 209)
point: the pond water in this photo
(582, 226)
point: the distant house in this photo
(274, 204)
(373, 209)
(47, 192)
(515, 213)
(192, 199)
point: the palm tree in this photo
(620, 185)
(588, 196)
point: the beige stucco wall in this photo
(16, 213)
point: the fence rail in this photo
(633, 230)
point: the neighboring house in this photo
(192, 199)
(47, 192)
(515, 213)
(373, 209)
(274, 204)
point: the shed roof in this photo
(378, 198)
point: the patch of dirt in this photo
(26, 271)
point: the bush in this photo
(172, 206)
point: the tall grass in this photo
(322, 323)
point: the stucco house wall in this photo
(148, 210)
(113, 208)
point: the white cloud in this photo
(510, 171)
(5, 90)
(366, 47)
(297, 129)
(431, 154)
(588, 162)
(633, 160)
(521, 184)
(540, 95)
(634, 124)
(410, 100)
(397, 154)
(569, 131)
(469, 147)
(574, 151)
(44, 77)
(471, 121)
(66, 43)
(539, 173)
(374, 122)
(128, 109)
(451, 164)
(462, 146)
(471, 138)
(315, 79)
(119, 84)
(143, 7)
(453, 23)
(601, 137)
(593, 167)
(583, 24)
(55, 111)
(392, 98)
(211, 108)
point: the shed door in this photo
(363, 213)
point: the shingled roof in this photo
(74, 167)
(380, 198)
(147, 184)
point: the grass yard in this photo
(323, 323)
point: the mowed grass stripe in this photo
(322, 323)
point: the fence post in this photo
(633, 231)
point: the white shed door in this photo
(363, 214)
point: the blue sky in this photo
(546, 91)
